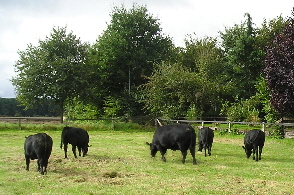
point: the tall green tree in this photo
(55, 70)
(279, 70)
(126, 52)
(243, 58)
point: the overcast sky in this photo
(27, 21)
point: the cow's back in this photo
(75, 136)
(170, 135)
(254, 136)
(38, 145)
(206, 135)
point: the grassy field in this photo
(119, 163)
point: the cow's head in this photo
(153, 149)
(85, 150)
(248, 151)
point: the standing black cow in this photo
(77, 137)
(254, 140)
(175, 137)
(38, 146)
(205, 139)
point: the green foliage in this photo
(171, 90)
(79, 110)
(126, 52)
(242, 57)
(271, 116)
(246, 110)
(193, 113)
(112, 108)
(55, 69)
(191, 88)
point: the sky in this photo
(24, 22)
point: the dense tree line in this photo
(134, 69)
(9, 107)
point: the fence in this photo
(38, 120)
(289, 133)
(56, 120)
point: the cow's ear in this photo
(244, 147)
(148, 144)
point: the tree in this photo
(54, 70)
(257, 107)
(206, 59)
(126, 52)
(279, 70)
(172, 90)
(243, 58)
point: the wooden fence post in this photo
(230, 126)
(19, 124)
(263, 127)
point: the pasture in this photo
(119, 162)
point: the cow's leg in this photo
(162, 152)
(65, 150)
(162, 155)
(205, 148)
(255, 152)
(209, 149)
(45, 166)
(192, 151)
(41, 166)
(184, 154)
(74, 150)
(79, 149)
(200, 146)
(260, 151)
(27, 162)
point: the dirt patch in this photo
(228, 141)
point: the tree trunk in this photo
(61, 112)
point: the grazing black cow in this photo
(38, 146)
(205, 139)
(175, 137)
(77, 137)
(254, 140)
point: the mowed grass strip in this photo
(120, 163)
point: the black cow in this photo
(205, 139)
(254, 140)
(175, 137)
(77, 137)
(38, 146)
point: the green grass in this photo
(119, 162)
